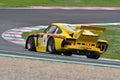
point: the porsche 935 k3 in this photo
(68, 39)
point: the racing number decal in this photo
(44, 40)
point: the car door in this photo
(43, 38)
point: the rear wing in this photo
(91, 28)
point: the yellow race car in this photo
(68, 39)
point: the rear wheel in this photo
(67, 53)
(93, 55)
(51, 46)
(31, 44)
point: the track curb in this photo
(75, 8)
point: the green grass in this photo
(26, 34)
(112, 34)
(24, 3)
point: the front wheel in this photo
(31, 44)
(93, 55)
(51, 46)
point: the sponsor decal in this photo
(44, 40)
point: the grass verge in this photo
(24, 3)
(26, 34)
(111, 34)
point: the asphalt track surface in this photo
(14, 18)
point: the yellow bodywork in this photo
(42, 47)
(77, 37)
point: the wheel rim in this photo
(50, 46)
(28, 45)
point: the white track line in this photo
(75, 8)
(66, 8)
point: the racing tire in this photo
(67, 53)
(31, 44)
(51, 46)
(92, 55)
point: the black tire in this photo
(67, 53)
(31, 44)
(51, 46)
(93, 55)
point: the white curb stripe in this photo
(27, 28)
(73, 8)
(104, 24)
(15, 35)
